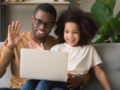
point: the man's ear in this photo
(32, 18)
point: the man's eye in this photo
(39, 21)
(66, 31)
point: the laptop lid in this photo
(43, 64)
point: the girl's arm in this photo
(101, 76)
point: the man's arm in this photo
(6, 55)
(6, 52)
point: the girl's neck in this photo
(72, 46)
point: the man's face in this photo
(42, 23)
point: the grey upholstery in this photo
(110, 54)
(5, 79)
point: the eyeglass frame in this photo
(39, 22)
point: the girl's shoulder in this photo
(88, 46)
(58, 46)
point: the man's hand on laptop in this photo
(73, 81)
(13, 34)
(34, 45)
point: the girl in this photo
(75, 30)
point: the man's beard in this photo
(38, 37)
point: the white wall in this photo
(23, 13)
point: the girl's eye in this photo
(66, 31)
(75, 32)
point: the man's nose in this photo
(42, 26)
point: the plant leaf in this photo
(114, 25)
(100, 13)
(101, 30)
(118, 16)
(108, 3)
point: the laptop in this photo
(43, 65)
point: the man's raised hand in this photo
(13, 34)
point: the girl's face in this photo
(72, 34)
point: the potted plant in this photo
(108, 24)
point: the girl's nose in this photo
(70, 35)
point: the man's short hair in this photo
(47, 8)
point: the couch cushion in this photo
(110, 54)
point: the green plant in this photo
(108, 24)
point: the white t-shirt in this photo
(80, 59)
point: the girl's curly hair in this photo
(86, 25)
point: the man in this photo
(43, 20)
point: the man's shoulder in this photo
(50, 42)
(52, 39)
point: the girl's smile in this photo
(72, 34)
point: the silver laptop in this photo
(43, 64)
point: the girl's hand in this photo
(73, 81)
(34, 45)
(13, 34)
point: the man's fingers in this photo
(16, 25)
(69, 75)
(70, 81)
(9, 29)
(34, 43)
(12, 26)
(41, 45)
(18, 28)
(70, 86)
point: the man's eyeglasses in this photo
(39, 22)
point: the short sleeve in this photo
(95, 58)
(54, 48)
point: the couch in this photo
(109, 53)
